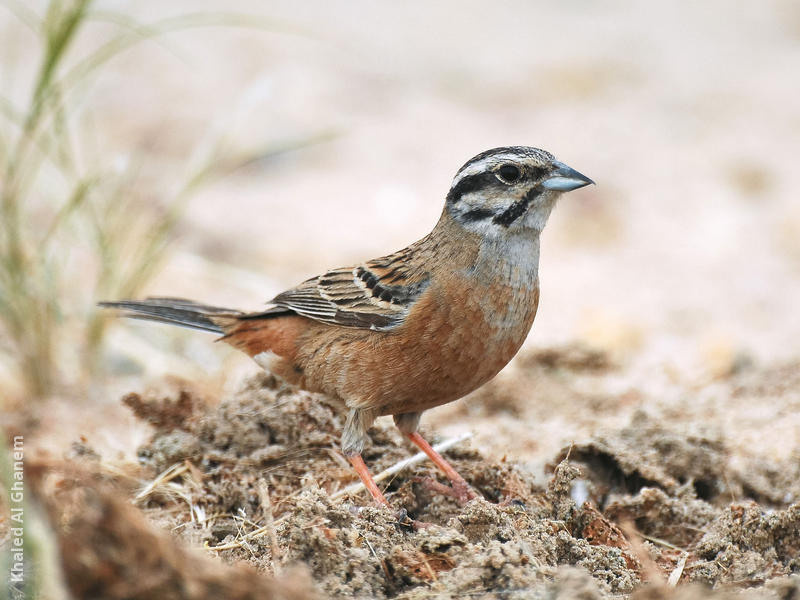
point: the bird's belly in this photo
(448, 347)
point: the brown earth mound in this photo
(637, 510)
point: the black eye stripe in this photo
(470, 183)
(489, 179)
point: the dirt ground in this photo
(654, 508)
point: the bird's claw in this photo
(458, 490)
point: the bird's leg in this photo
(353, 438)
(461, 489)
(367, 480)
(407, 423)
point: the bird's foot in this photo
(458, 490)
(462, 492)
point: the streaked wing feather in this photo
(376, 295)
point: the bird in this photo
(412, 330)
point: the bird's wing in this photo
(376, 295)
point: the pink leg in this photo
(367, 480)
(461, 489)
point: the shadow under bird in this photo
(424, 326)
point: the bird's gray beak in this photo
(564, 178)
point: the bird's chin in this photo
(537, 215)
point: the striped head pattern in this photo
(509, 189)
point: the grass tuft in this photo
(71, 233)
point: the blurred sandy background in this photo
(683, 262)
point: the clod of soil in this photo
(647, 454)
(746, 546)
(108, 550)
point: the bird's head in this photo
(510, 189)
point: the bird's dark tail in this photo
(177, 311)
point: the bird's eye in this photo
(508, 173)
